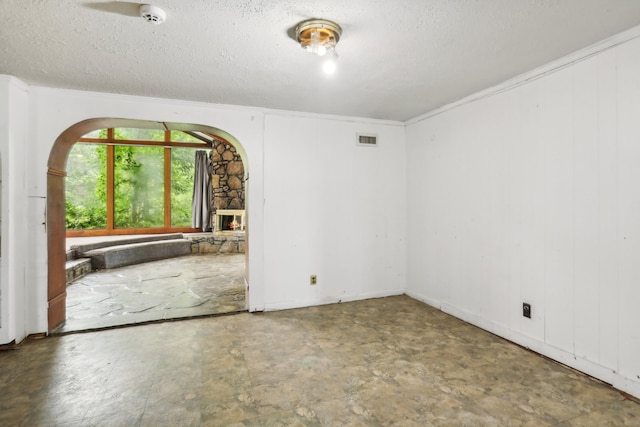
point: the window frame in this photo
(110, 142)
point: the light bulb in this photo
(330, 64)
(321, 50)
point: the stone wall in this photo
(218, 244)
(228, 177)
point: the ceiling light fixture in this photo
(152, 14)
(320, 36)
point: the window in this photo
(86, 187)
(182, 173)
(128, 181)
(138, 186)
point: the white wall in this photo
(533, 195)
(54, 110)
(333, 209)
(358, 257)
(13, 135)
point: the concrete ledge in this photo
(77, 268)
(135, 253)
(81, 249)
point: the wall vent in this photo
(369, 140)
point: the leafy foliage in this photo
(139, 186)
(182, 175)
(86, 187)
(138, 183)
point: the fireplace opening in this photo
(229, 221)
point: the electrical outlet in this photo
(526, 310)
(313, 280)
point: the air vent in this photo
(367, 140)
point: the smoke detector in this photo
(153, 14)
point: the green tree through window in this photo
(139, 186)
(138, 180)
(86, 195)
(182, 173)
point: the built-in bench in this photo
(79, 249)
(120, 253)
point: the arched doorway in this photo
(56, 228)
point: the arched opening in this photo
(56, 224)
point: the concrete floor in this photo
(381, 362)
(193, 285)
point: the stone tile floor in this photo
(187, 286)
(381, 362)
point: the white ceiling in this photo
(398, 58)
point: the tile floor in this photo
(389, 361)
(192, 285)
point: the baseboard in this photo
(287, 305)
(429, 301)
(588, 367)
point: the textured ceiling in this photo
(398, 58)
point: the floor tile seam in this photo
(347, 398)
(579, 405)
(540, 414)
(371, 412)
(46, 403)
(119, 325)
(87, 420)
(338, 370)
(294, 377)
(146, 403)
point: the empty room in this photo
(433, 207)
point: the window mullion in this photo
(167, 181)
(110, 186)
(167, 187)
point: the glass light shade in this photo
(330, 64)
(320, 36)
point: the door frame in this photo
(56, 225)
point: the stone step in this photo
(136, 253)
(77, 268)
(80, 249)
(71, 255)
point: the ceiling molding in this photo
(537, 73)
(15, 82)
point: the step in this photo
(137, 253)
(77, 268)
(80, 249)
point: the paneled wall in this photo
(533, 195)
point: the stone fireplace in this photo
(228, 177)
(228, 190)
(228, 221)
